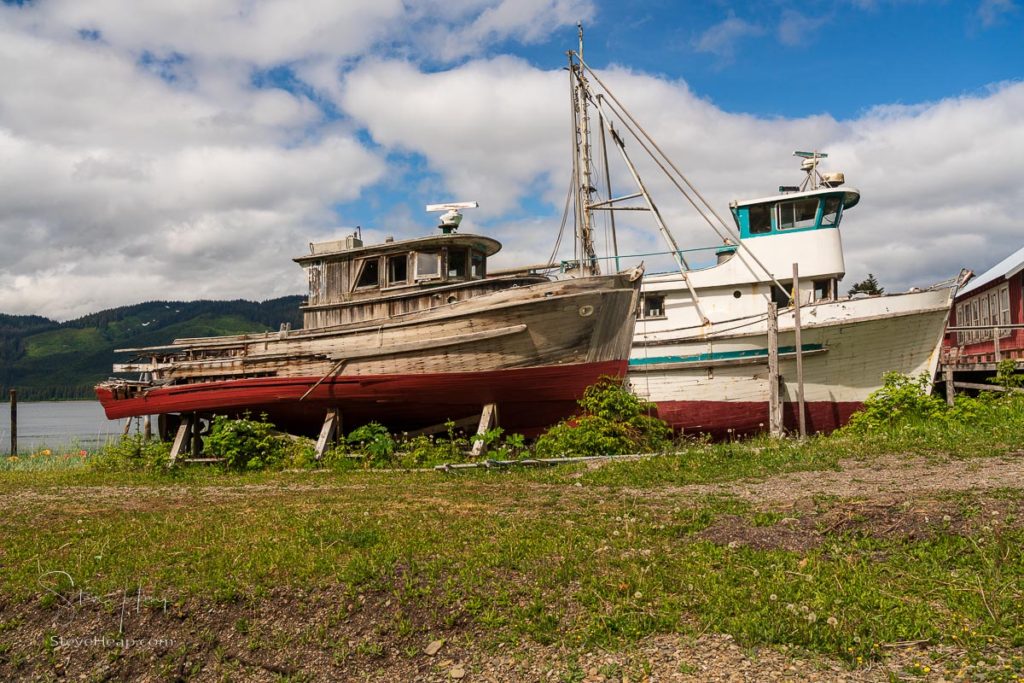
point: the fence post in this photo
(14, 421)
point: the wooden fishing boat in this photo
(408, 333)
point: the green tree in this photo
(868, 285)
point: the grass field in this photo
(325, 574)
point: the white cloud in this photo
(991, 12)
(721, 39)
(126, 178)
(797, 29)
(938, 183)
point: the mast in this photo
(582, 164)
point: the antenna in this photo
(449, 222)
(809, 165)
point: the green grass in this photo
(568, 565)
(569, 556)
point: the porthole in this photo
(452, 298)
(736, 294)
(586, 311)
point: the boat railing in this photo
(572, 264)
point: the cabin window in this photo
(802, 213)
(369, 276)
(781, 296)
(428, 265)
(477, 265)
(398, 270)
(830, 214)
(456, 263)
(652, 306)
(824, 290)
(759, 219)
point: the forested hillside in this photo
(45, 359)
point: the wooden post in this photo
(488, 418)
(995, 339)
(180, 439)
(799, 352)
(329, 432)
(14, 421)
(774, 407)
(147, 428)
(950, 387)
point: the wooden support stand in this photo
(950, 386)
(774, 402)
(182, 438)
(329, 432)
(488, 419)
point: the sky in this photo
(184, 150)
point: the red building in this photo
(990, 299)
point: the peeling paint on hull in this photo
(529, 399)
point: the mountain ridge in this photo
(48, 360)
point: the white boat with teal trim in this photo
(700, 350)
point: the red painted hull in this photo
(722, 418)
(528, 399)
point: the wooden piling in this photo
(950, 387)
(14, 421)
(801, 413)
(774, 406)
(995, 347)
(147, 428)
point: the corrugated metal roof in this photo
(1008, 266)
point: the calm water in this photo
(55, 424)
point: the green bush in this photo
(375, 441)
(245, 444)
(131, 453)
(900, 399)
(613, 421)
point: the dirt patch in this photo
(889, 518)
(891, 476)
(330, 636)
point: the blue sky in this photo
(143, 139)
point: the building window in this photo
(652, 306)
(369, 276)
(961, 319)
(1004, 305)
(802, 213)
(398, 270)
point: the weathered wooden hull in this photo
(531, 350)
(528, 399)
(718, 383)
